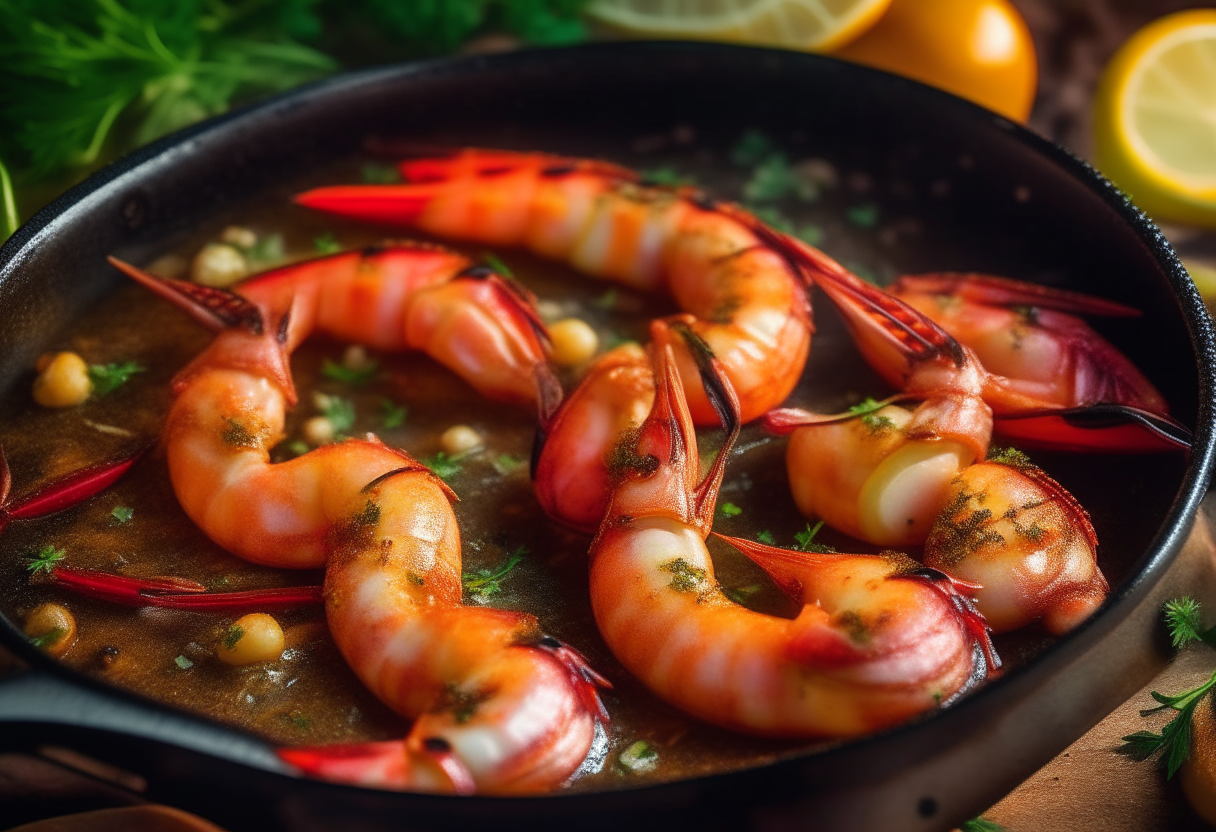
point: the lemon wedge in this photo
(1155, 118)
(793, 24)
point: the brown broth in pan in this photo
(310, 696)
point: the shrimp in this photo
(878, 638)
(1024, 541)
(747, 303)
(498, 707)
(1048, 357)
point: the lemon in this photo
(1155, 118)
(793, 24)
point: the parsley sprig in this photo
(867, 411)
(45, 560)
(350, 375)
(1184, 621)
(806, 540)
(107, 378)
(486, 583)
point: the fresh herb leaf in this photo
(300, 721)
(742, 594)
(500, 268)
(340, 372)
(867, 411)
(806, 540)
(326, 243)
(638, 758)
(269, 250)
(730, 510)
(439, 27)
(485, 583)
(234, 634)
(122, 514)
(10, 221)
(374, 173)
(980, 824)
(774, 178)
(392, 415)
(107, 378)
(766, 537)
(1182, 617)
(443, 466)
(48, 638)
(810, 234)
(45, 560)
(506, 464)
(667, 176)
(298, 447)
(865, 216)
(339, 411)
(751, 148)
(183, 663)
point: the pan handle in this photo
(40, 707)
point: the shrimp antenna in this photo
(214, 308)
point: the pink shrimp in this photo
(878, 639)
(498, 708)
(745, 301)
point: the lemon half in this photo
(1155, 118)
(793, 24)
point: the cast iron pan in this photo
(979, 193)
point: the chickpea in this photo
(574, 342)
(239, 236)
(55, 627)
(459, 439)
(318, 431)
(253, 639)
(218, 265)
(63, 381)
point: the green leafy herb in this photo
(499, 267)
(487, 582)
(742, 594)
(443, 466)
(392, 415)
(48, 638)
(374, 173)
(751, 148)
(1183, 618)
(507, 464)
(666, 175)
(183, 663)
(122, 514)
(45, 560)
(298, 447)
(10, 220)
(806, 540)
(269, 250)
(766, 537)
(235, 633)
(347, 375)
(810, 234)
(638, 758)
(438, 27)
(867, 411)
(90, 78)
(326, 243)
(339, 411)
(980, 825)
(865, 216)
(299, 720)
(730, 510)
(107, 378)
(774, 178)
(607, 300)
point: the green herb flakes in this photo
(392, 415)
(500, 268)
(374, 173)
(766, 537)
(806, 540)
(122, 514)
(183, 663)
(339, 411)
(235, 633)
(666, 176)
(443, 466)
(45, 560)
(730, 510)
(865, 216)
(356, 376)
(507, 464)
(684, 576)
(268, 251)
(742, 594)
(48, 638)
(326, 243)
(639, 758)
(107, 378)
(750, 149)
(486, 583)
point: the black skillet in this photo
(970, 190)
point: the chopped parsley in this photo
(122, 514)
(867, 411)
(298, 447)
(751, 148)
(347, 375)
(299, 720)
(326, 243)
(766, 537)
(507, 464)
(1184, 621)
(730, 510)
(339, 411)
(666, 175)
(443, 466)
(45, 560)
(806, 540)
(495, 262)
(865, 216)
(742, 594)
(607, 300)
(487, 582)
(107, 378)
(235, 633)
(374, 173)
(684, 576)
(267, 251)
(183, 663)
(980, 824)
(392, 415)
(47, 639)
(639, 758)
(773, 178)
